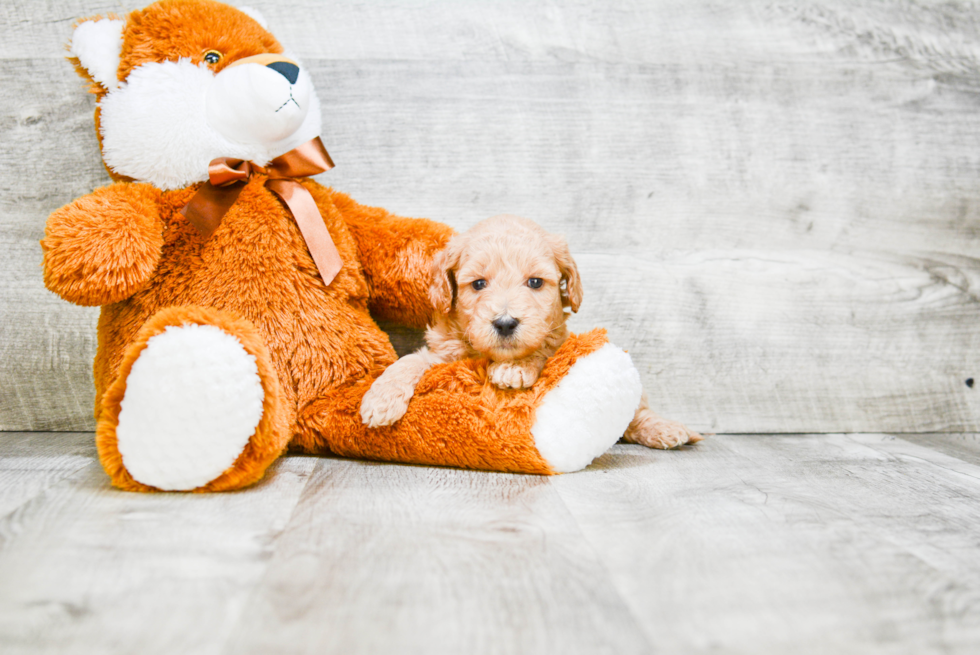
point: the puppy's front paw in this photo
(385, 402)
(652, 431)
(511, 375)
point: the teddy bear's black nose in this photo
(505, 325)
(287, 70)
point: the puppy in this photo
(500, 291)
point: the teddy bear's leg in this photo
(195, 405)
(581, 404)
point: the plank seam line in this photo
(610, 579)
(246, 602)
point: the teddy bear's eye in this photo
(212, 56)
(535, 282)
(479, 285)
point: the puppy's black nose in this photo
(505, 325)
(287, 70)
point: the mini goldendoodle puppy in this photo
(500, 291)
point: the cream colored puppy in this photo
(500, 291)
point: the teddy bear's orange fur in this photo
(127, 247)
(317, 348)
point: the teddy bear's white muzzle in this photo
(256, 104)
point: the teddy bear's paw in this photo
(652, 431)
(386, 401)
(193, 399)
(513, 375)
(588, 411)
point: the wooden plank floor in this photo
(843, 543)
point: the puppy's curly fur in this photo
(500, 291)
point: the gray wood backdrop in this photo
(775, 206)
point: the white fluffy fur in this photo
(193, 399)
(588, 411)
(97, 44)
(155, 126)
(251, 103)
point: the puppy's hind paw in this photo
(652, 431)
(384, 403)
(510, 375)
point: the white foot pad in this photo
(193, 399)
(588, 411)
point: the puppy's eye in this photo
(479, 285)
(535, 282)
(212, 56)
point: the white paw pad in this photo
(508, 375)
(588, 411)
(193, 399)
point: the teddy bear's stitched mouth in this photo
(291, 99)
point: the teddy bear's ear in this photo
(95, 45)
(255, 15)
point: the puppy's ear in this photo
(442, 287)
(571, 294)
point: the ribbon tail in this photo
(310, 222)
(209, 205)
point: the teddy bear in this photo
(239, 297)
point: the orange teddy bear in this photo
(237, 294)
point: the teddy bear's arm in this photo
(396, 254)
(103, 247)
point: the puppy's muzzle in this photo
(505, 325)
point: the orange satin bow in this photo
(216, 196)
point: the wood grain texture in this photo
(29, 465)
(965, 446)
(806, 544)
(762, 544)
(386, 559)
(85, 568)
(797, 338)
(775, 203)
